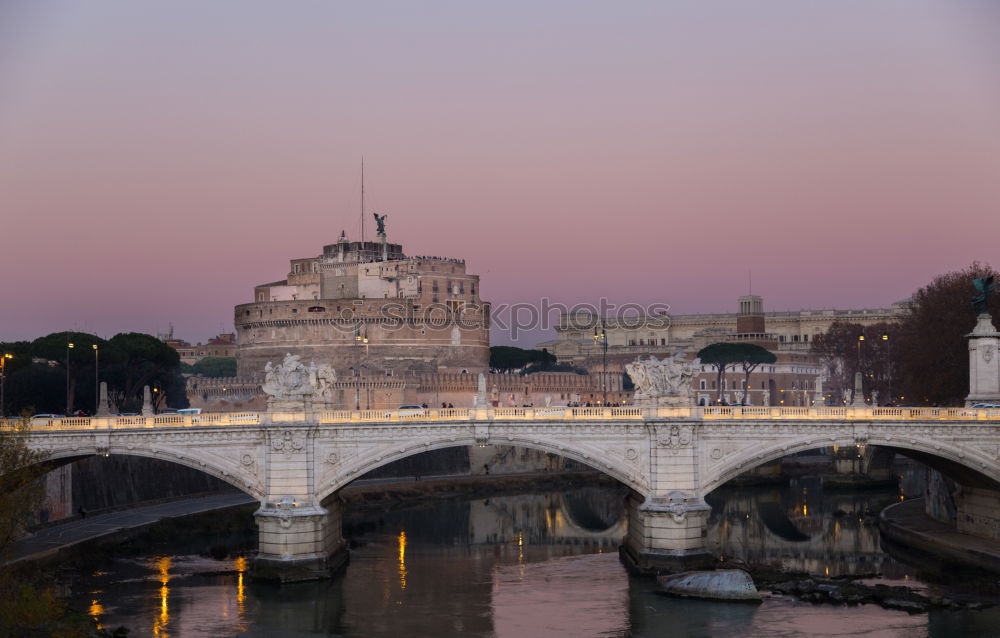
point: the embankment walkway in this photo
(908, 524)
(49, 541)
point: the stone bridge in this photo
(670, 458)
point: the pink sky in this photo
(157, 160)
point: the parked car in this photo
(985, 405)
(411, 410)
(39, 418)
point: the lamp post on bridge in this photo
(888, 367)
(3, 378)
(69, 346)
(97, 379)
(601, 338)
(360, 339)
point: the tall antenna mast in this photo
(362, 200)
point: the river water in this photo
(542, 564)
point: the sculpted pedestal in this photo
(984, 362)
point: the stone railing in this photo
(627, 413)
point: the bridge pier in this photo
(666, 534)
(299, 541)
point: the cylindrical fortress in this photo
(368, 308)
(390, 336)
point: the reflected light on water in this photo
(402, 559)
(162, 566)
(95, 611)
(241, 593)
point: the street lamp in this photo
(888, 367)
(602, 339)
(356, 370)
(97, 380)
(69, 346)
(3, 377)
(861, 339)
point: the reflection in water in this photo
(162, 565)
(96, 610)
(402, 559)
(802, 528)
(529, 565)
(240, 565)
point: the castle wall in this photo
(401, 337)
(377, 391)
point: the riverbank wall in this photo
(909, 525)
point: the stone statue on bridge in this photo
(322, 377)
(665, 382)
(291, 385)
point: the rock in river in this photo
(722, 584)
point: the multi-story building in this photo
(367, 308)
(796, 378)
(221, 345)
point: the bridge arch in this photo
(975, 466)
(593, 457)
(240, 480)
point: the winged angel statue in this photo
(983, 288)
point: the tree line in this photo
(48, 376)
(922, 359)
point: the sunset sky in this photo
(159, 159)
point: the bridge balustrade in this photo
(706, 413)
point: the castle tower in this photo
(750, 319)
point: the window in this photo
(702, 384)
(663, 342)
(297, 268)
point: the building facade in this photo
(221, 345)
(796, 379)
(368, 309)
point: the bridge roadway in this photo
(294, 463)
